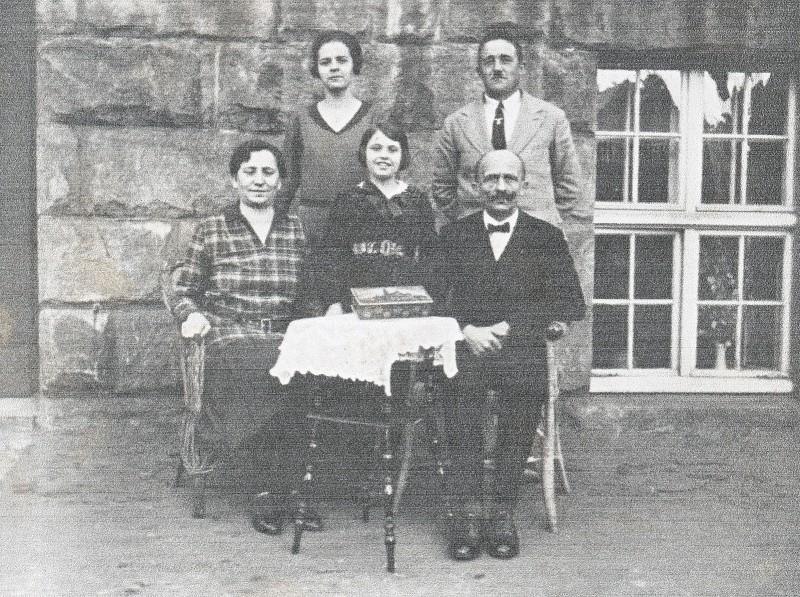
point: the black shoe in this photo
(268, 514)
(464, 537)
(312, 521)
(500, 534)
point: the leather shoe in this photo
(268, 514)
(312, 521)
(464, 537)
(501, 536)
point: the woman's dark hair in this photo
(394, 132)
(507, 31)
(243, 152)
(335, 35)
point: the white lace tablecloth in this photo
(363, 350)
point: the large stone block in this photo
(71, 345)
(304, 18)
(221, 18)
(467, 19)
(92, 260)
(633, 24)
(641, 24)
(412, 21)
(432, 82)
(126, 82)
(569, 80)
(258, 84)
(133, 172)
(141, 350)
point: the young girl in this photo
(381, 231)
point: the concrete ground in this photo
(672, 496)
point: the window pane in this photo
(658, 170)
(722, 163)
(610, 337)
(719, 267)
(660, 98)
(610, 179)
(763, 268)
(723, 95)
(716, 332)
(653, 266)
(768, 104)
(615, 99)
(761, 333)
(611, 266)
(765, 165)
(652, 336)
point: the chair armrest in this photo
(193, 357)
(555, 331)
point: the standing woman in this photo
(321, 141)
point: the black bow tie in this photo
(505, 227)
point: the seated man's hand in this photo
(335, 309)
(195, 326)
(483, 340)
(500, 329)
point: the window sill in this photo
(655, 383)
(616, 218)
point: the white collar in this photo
(512, 102)
(259, 216)
(512, 220)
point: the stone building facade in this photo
(140, 101)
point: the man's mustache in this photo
(502, 196)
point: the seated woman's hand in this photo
(195, 326)
(334, 309)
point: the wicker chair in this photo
(546, 452)
(195, 462)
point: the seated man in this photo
(238, 287)
(509, 275)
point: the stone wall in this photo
(140, 101)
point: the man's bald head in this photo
(503, 155)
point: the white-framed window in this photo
(694, 217)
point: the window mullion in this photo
(745, 147)
(637, 108)
(626, 168)
(739, 306)
(693, 142)
(690, 269)
(791, 131)
(631, 296)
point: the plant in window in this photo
(718, 282)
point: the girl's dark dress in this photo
(372, 240)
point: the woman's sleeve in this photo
(332, 253)
(293, 155)
(428, 244)
(191, 278)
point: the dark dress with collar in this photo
(372, 240)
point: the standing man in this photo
(510, 275)
(508, 118)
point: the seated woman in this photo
(239, 286)
(381, 231)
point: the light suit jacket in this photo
(543, 140)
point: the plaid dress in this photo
(235, 279)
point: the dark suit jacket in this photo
(533, 283)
